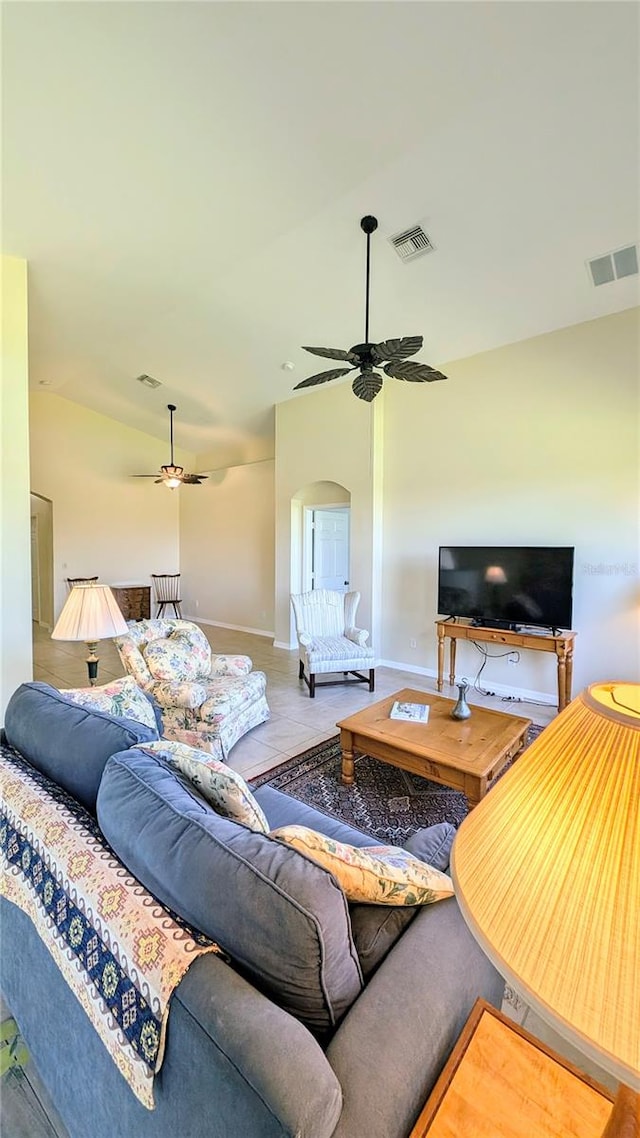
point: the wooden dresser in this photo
(134, 601)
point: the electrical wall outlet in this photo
(512, 658)
(197, 604)
(412, 643)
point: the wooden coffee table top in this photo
(471, 745)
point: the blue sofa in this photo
(322, 1018)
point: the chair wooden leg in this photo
(372, 680)
(312, 686)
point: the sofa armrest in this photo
(179, 693)
(395, 1039)
(275, 1075)
(358, 635)
(305, 639)
(230, 665)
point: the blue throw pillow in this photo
(68, 743)
(282, 918)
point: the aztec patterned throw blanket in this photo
(119, 950)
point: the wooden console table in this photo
(134, 601)
(560, 643)
(501, 1081)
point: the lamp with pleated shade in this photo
(547, 875)
(91, 614)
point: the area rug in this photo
(388, 803)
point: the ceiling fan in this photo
(365, 358)
(172, 475)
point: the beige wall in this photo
(535, 443)
(326, 436)
(227, 547)
(15, 588)
(104, 521)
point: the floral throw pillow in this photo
(176, 658)
(121, 698)
(223, 788)
(375, 875)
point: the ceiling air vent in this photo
(612, 266)
(411, 243)
(148, 381)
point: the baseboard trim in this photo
(501, 689)
(233, 627)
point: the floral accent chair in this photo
(218, 697)
(328, 640)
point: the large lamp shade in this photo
(547, 875)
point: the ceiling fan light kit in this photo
(171, 475)
(390, 356)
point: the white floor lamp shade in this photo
(90, 614)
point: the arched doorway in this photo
(320, 538)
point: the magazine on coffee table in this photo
(414, 712)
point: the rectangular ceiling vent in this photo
(411, 243)
(148, 381)
(612, 266)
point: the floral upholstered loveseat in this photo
(219, 697)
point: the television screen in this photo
(508, 585)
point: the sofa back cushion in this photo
(122, 699)
(68, 743)
(283, 919)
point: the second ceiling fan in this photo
(390, 355)
(172, 475)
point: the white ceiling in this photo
(186, 181)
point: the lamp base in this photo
(92, 662)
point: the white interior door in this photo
(330, 549)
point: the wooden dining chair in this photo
(166, 589)
(72, 581)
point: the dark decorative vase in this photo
(461, 709)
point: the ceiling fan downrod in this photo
(171, 407)
(368, 225)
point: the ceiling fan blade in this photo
(323, 377)
(193, 479)
(396, 349)
(158, 481)
(144, 475)
(412, 372)
(367, 385)
(332, 354)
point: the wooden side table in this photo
(500, 1082)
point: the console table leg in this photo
(440, 661)
(569, 675)
(562, 683)
(453, 643)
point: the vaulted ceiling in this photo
(186, 182)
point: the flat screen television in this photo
(507, 586)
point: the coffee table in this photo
(466, 755)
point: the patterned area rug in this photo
(385, 802)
